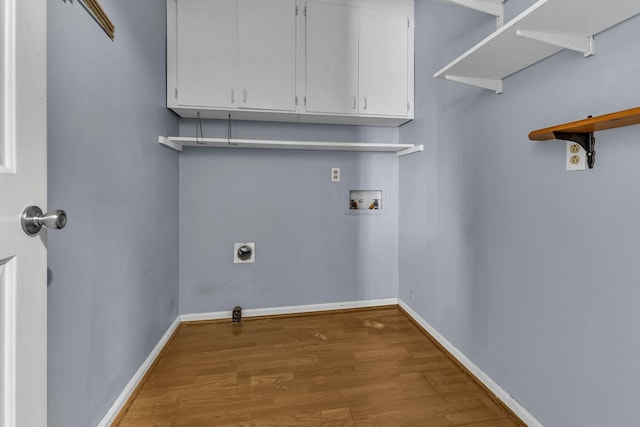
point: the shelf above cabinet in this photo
(178, 142)
(542, 30)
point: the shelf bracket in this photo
(414, 149)
(166, 141)
(582, 44)
(491, 7)
(587, 140)
(491, 84)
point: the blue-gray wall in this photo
(113, 272)
(530, 270)
(308, 251)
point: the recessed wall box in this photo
(365, 201)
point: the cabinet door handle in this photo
(244, 96)
(365, 102)
(354, 102)
(233, 96)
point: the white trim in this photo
(274, 311)
(8, 82)
(137, 377)
(505, 397)
(9, 308)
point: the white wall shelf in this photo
(542, 30)
(491, 7)
(177, 143)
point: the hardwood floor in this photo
(350, 368)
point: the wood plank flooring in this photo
(349, 368)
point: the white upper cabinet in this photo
(235, 54)
(384, 59)
(267, 39)
(357, 60)
(207, 53)
(331, 59)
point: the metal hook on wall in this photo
(199, 130)
(229, 131)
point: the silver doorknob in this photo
(33, 219)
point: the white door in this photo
(207, 48)
(267, 56)
(384, 59)
(23, 172)
(332, 59)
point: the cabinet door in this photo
(383, 82)
(332, 58)
(267, 54)
(207, 47)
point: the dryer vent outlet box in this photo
(244, 253)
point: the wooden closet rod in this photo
(101, 17)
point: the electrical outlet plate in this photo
(335, 174)
(576, 157)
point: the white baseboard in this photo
(131, 386)
(505, 397)
(254, 312)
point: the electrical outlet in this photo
(335, 174)
(576, 157)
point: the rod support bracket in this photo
(586, 140)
